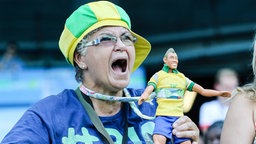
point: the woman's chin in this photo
(120, 83)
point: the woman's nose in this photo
(119, 46)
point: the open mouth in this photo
(119, 65)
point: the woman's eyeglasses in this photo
(108, 39)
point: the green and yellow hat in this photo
(91, 16)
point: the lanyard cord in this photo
(94, 118)
(125, 111)
(125, 135)
(95, 95)
(127, 98)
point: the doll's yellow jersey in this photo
(170, 89)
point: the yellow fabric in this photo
(170, 85)
(169, 107)
(101, 12)
(66, 42)
(93, 27)
(168, 80)
(188, 100)
(92, 16)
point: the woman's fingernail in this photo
(174, 131)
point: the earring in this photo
(82, 67)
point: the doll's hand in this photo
(225, 94)
(142, 98)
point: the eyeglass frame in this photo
(113, 39)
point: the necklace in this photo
(127, 98)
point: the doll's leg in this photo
(159, 139)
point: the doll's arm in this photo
(210, 92)
(146, 94)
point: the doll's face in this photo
(171, 60)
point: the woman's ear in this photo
(80, 61)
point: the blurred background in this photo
(206, 34)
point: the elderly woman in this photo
(98, 42)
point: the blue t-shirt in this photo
(62, 119)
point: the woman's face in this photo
(109, 64)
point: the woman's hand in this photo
(185, 127)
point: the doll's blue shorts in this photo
(163, 126)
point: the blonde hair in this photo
(249, 89)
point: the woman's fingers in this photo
(185, 127)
